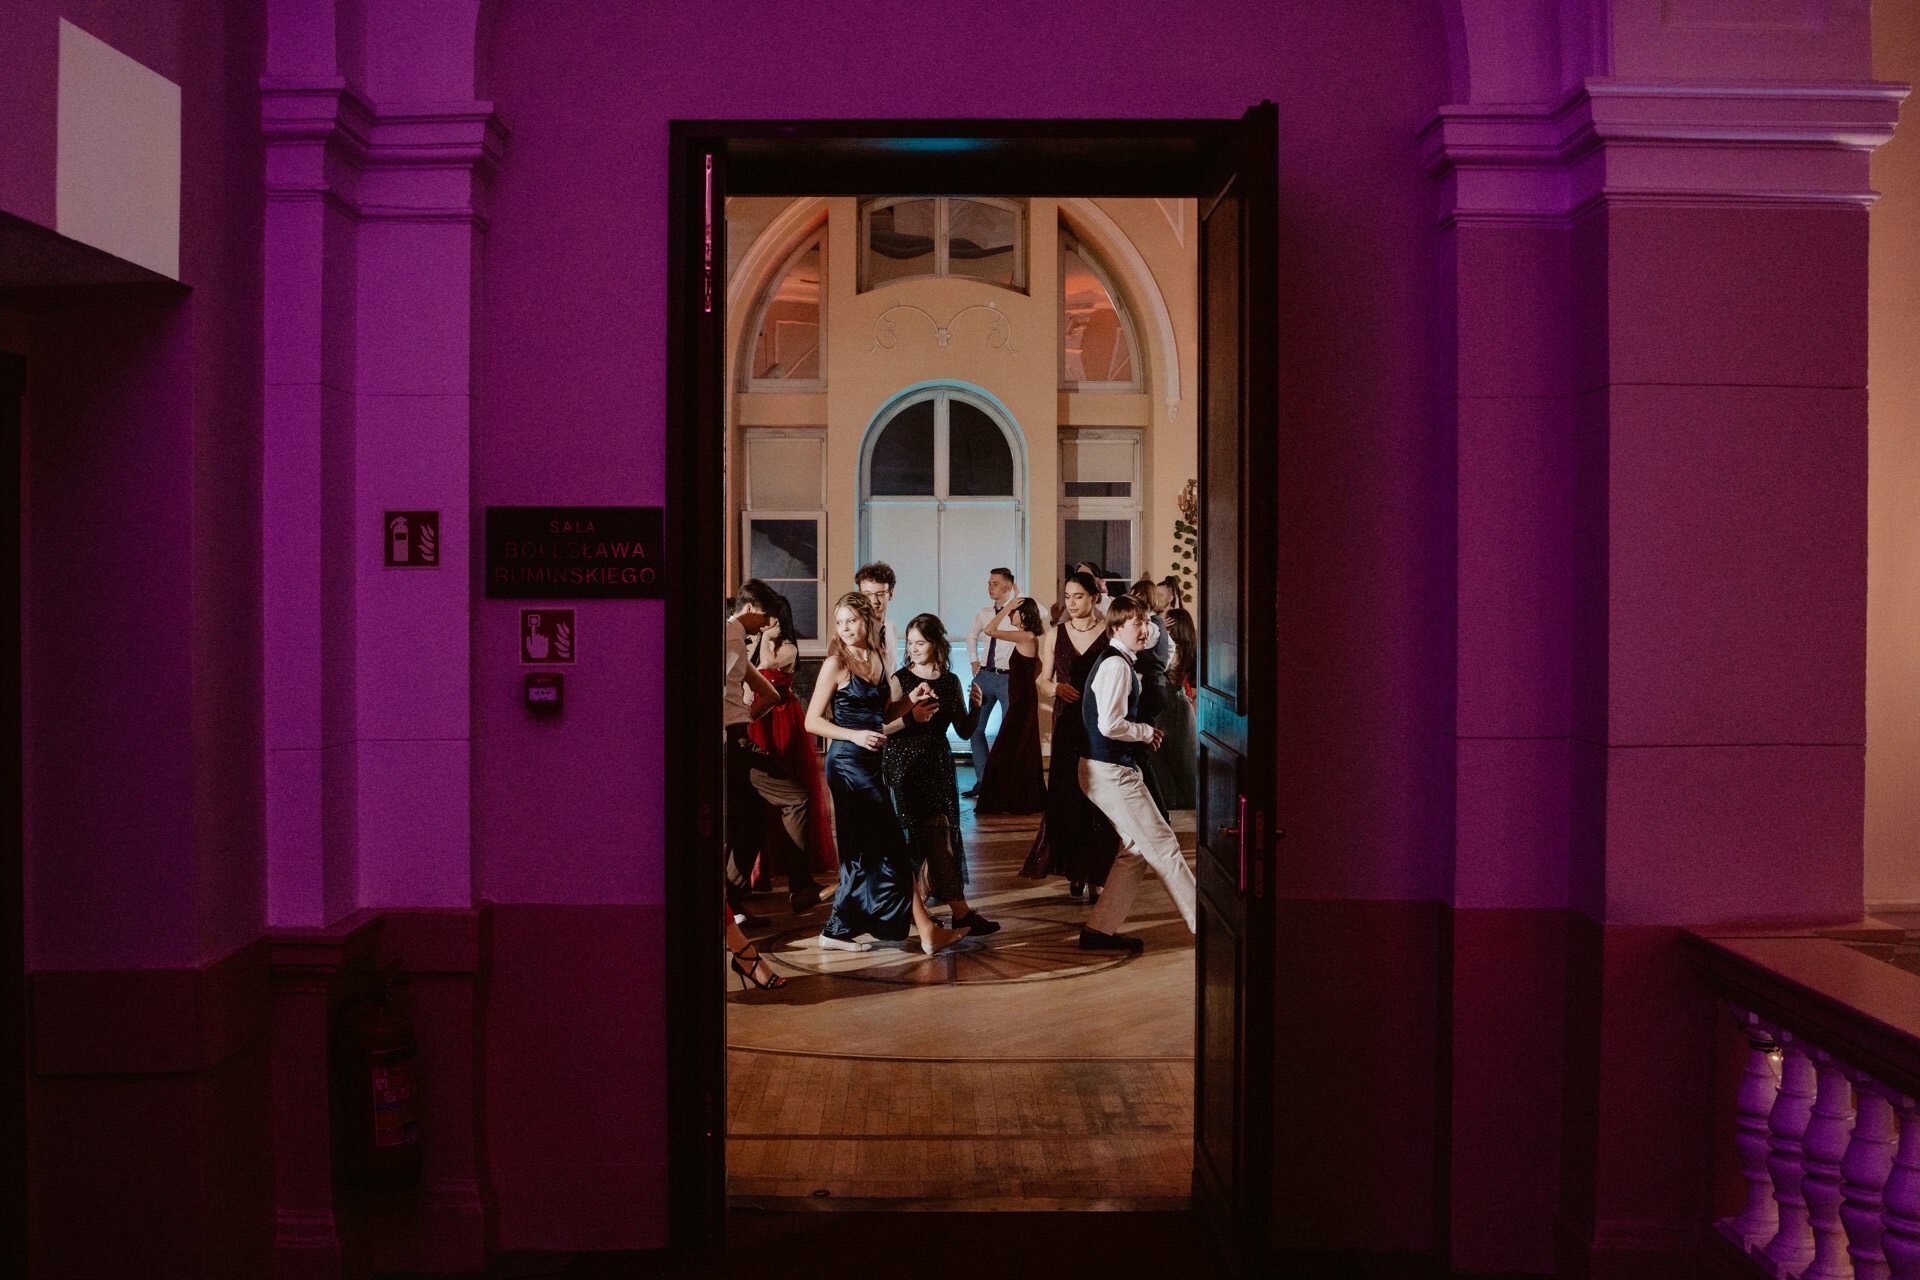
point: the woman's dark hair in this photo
(1142, 590)
(773, 604)
(1083, 580)
(1029, 615)
(934, 632)
(1177, 599)
(1185, 639)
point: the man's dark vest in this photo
(1099, 746)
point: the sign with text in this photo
(546, 635)
(574, 553)
(411, 538)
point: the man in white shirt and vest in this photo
(1110, 774)
(989, 658)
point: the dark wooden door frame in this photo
(13, 924)
(713, 158)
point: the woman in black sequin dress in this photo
(925, 698)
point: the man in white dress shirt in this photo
(989, 657)
(876, 582)
(1110, 775)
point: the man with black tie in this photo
(989, 661)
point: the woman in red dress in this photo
(783, 733)
(1014, 781)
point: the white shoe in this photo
(826, 943)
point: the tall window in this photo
(784, 523)
(787, 332)
(1098, 350)
(975, 238)
(943, 500)
(1100, 499)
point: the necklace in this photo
(1091, 624)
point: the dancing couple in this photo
(886, 743)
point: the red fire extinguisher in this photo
(381, 1096)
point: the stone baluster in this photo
(1864, 1173)
(1757, 1222)
(1901, 1242)
(1791, 1247)
(1824, 1146)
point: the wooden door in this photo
(695, 776)
(1239, 353)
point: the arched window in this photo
(943, 500)
(786, 349)
(1098, 350)
(977, 238)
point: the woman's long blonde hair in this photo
(864, 608)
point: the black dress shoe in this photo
(1076, 889)
(971, 793)
(805, 900)
(976, 925)
(748, 920)
(1094, 940)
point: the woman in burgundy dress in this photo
(1014, 781)
(1075, 839)
(783, 733)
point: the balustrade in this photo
(1826, 1133)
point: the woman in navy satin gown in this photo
(876, 895)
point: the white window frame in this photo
(749, 513)
(1127, 509)
(940, 230)
(777, 385)
(943, 394)
(1079, 246)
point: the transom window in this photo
(786, 333)
(975, 238)
(1098, 351)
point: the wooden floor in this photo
(1014, 1072)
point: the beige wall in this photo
(1022, 373)
(1893, 502)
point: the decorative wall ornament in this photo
(1186, 537)
(999, 331)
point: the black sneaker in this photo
(1094, 940)
(1076, 889)
(971, 793)
(976, 925)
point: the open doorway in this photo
(988, 400)
(1215, 178)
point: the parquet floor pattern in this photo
(1017, 1073)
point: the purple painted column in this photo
(316, 133)
(422, 220)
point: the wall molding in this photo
(1627, 141)
(149, 1021)
(424, 161)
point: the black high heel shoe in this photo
(749, 969)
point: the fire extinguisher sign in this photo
(411, 539)
(396, 1099)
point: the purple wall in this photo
(142, 545)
